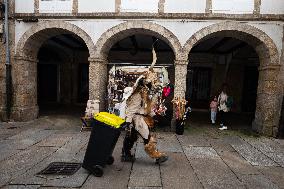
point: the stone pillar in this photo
(24, 80)
(3, 116)
(98, 79)
(180, 77)
(208, 8)
(161, 6)
(256, 10)
(268, 102)
(75, 7)
(180, 84)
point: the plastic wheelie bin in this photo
(104, 135)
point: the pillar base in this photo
(267, 130)
(3, 114)
(24, 113)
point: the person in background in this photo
(222, 107)
(213, 109)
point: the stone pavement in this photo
(202, 158)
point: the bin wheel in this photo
(110, 160)
(98, 171)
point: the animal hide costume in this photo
(139, 113)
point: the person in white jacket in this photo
(222, 107)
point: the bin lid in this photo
(109, 119)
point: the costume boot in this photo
(128, 143)
(152, 151)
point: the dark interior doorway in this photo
(83, 83)
(250, 89)
(47, 83)
(219, 59)
(63, 76)
(281, 123)
(199, 85)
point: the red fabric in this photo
(166, 91)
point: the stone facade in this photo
(2, 78)
(24, 59)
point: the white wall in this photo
(95, 28)
(24, 6)
(150, 6)
(233, 6)
(55, 6)
(20, 29)
(185, 6)
(272, 7)
(273, 30)
(182, 29)
(88, 6)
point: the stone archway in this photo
(98, 65)
(24, 69)
(268, 94)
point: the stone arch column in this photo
(98, 79)
(268, 102)
(180, 78)
(24, 69)
(268, 98)
(25, 105)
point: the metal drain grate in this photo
(61, 168)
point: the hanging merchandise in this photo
(182, 110)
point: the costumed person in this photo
(139, 113)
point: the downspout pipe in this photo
(7, 63)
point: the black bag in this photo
(179, 127)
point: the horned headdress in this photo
(150, 76)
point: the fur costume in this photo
(139, 112)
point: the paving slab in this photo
(25, 134)
(278, 157)
(265, 145)
(193, 140)
(213, 173)
(23, 161)
(7, 149)
(220, 145)
(178, 173)
(56, 140)
(210, 169)
(17, 143)
(167, 142)
(145, 187)
(21, 187)
(66, 153)
(252, 155)
(200, 152)
(144, 173)
(257, 182)
(237, 163)
(274, 174)
(115, 176)
(279, 141)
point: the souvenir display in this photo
(182, 110)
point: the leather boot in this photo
(152, 151)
